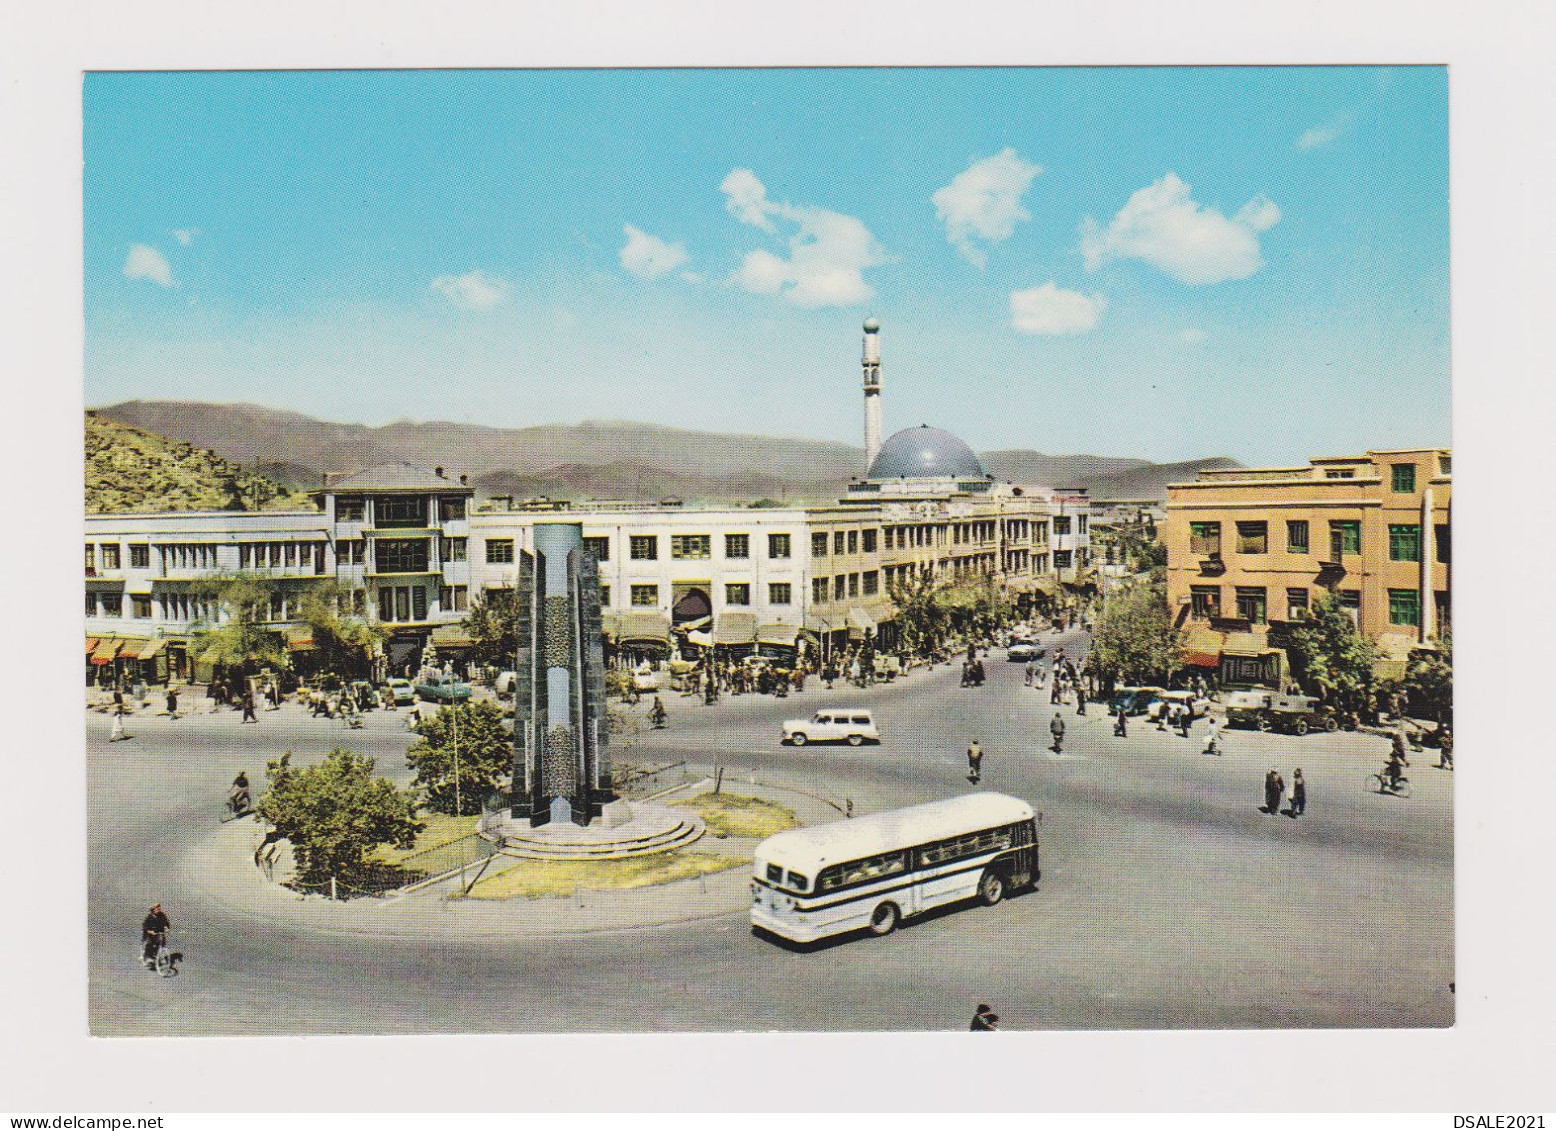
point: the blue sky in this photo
(1166, 263)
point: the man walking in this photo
(1031, 671)
(1056, 728)
(248, 708)
(975, 762)
(1272, 792)
(1444, 747)
(172, 702)
(1298, 794)
(1080, 700)
(1121, 727)
(1185, 719)
(1213, 738)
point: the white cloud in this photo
(649, 257)
(1194, 334)
(692, 276)
(1163, 226)
(186, 236)
(747, 199)
(828, 253)
(148, 263)
(1322, 135)
(474, 291)
(1049, 310)
(984, 200)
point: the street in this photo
(1167, 900)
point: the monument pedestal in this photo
(623, 829)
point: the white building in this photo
(405, 548)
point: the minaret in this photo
(872, 392)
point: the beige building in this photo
(1250, 549)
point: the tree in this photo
(921, 613)
(485, 749)
(1135, 641)
(1429, 680)
(246, 636)
(336, 813)
(492, 623)
(343, 643)
(1330, 658)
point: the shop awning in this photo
(695, 625)
(451, 636)
(1245, 644)
(735, 628)
(150, 648)
(91, 645)
(1202, 647)
(860, 622)
(644, 628)
(701, 639)
(784, 634)
(106, 650)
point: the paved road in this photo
(1168, 899)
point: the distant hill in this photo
(129, 469)
(591, 460)
(1150, 481)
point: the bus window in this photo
(797, 881)
(862, 871)
(775, 873)
(862, 720)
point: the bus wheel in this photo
(797, 739)
(1264, 722)
(885, 918)
(856, 740)
(1299, 727)
(991, 889)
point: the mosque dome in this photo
(925, 453)
(872, 325)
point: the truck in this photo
(1271, 710)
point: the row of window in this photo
(396, 510)
(1252, 603)
(645, 548)
(843, 542)
(1253, 537)
(735, 593)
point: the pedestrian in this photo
(1031, 672)
(1271, 794)
(1056, 728)
(248, 708)
(1213, 738)
(1080, 700)
(172, 702)
(1162, 715)
(975, 762)
(117, 733)
(1444, 747)
(1399, 747)
(1121, 727)
(984, 1020)
(118, 699)
(1056, 696)
(274, 691)
(1298, 794)
(1185, 719)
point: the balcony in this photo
(1212, 566)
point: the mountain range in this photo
(594, 459)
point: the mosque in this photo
(415, 554)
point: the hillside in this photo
(591, 460)
(129, 469)
(1150, 481)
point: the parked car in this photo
(839, 724)
(1269, 710)
(1022, 652)
(402, 691)
(1132, 700)
(1197, 704)
(442, 689)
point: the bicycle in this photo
(1382, 783)
(163, 961)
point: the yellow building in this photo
(1250, 549)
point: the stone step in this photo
(531, 848)
(600, 842)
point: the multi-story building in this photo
(1250, 549)
(406, 549)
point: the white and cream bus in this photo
(873, 872)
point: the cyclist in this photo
(1394, 771)
(153, 935)
(656, 713)
(238, 797)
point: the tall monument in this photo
(561, 771)
(872, 392)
